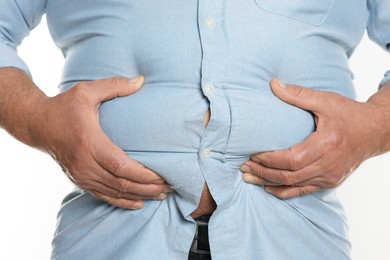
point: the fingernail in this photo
(247, 177)
(159, 181)
(162, 196)
(138, 205)
(280, 84)
(136, 79)
(245, 168)
(168, 190)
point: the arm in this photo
(348, 133)
(67, 127)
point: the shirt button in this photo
(210, 22)
(209, 88)
(206, 152)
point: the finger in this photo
(287, 192)
(305, 176)
(100, 180)
(127, 195)
(325, 180)
(105, 89)
(254, 179)
(305, 98)
(115, 161)
(88, 174)
(119, 202)
(295, 158)
(119, 187)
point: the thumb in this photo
(305, 98)
(109, 88)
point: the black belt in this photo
(200, 248)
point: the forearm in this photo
(19, 102)
(381, 102)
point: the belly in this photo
(163, 118)
(261, 122)
(169, 118)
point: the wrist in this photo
(381, 117)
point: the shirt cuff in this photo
(10, 58)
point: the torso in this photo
(192, 64)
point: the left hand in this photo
(347, 133)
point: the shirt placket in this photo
(216, 171)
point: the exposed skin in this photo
(67, 127)
(347, 133)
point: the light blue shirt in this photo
(196, 55)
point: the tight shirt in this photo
(198, 55)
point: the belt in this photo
(200, 244)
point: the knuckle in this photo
(80, 91)
(118, 194)
(122, 187)
(302, 191)
(117, 165)
(257, 170)
(286, 178)
(294, 162)
(335, 139)
(297, 90)
(115, 83)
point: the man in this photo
(167, 126)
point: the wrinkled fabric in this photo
(195, 56)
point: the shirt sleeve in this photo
(17, 19)
(378, 27)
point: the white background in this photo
(32, 185)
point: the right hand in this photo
(69, 131)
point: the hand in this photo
(70, 132)
(347, 133)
